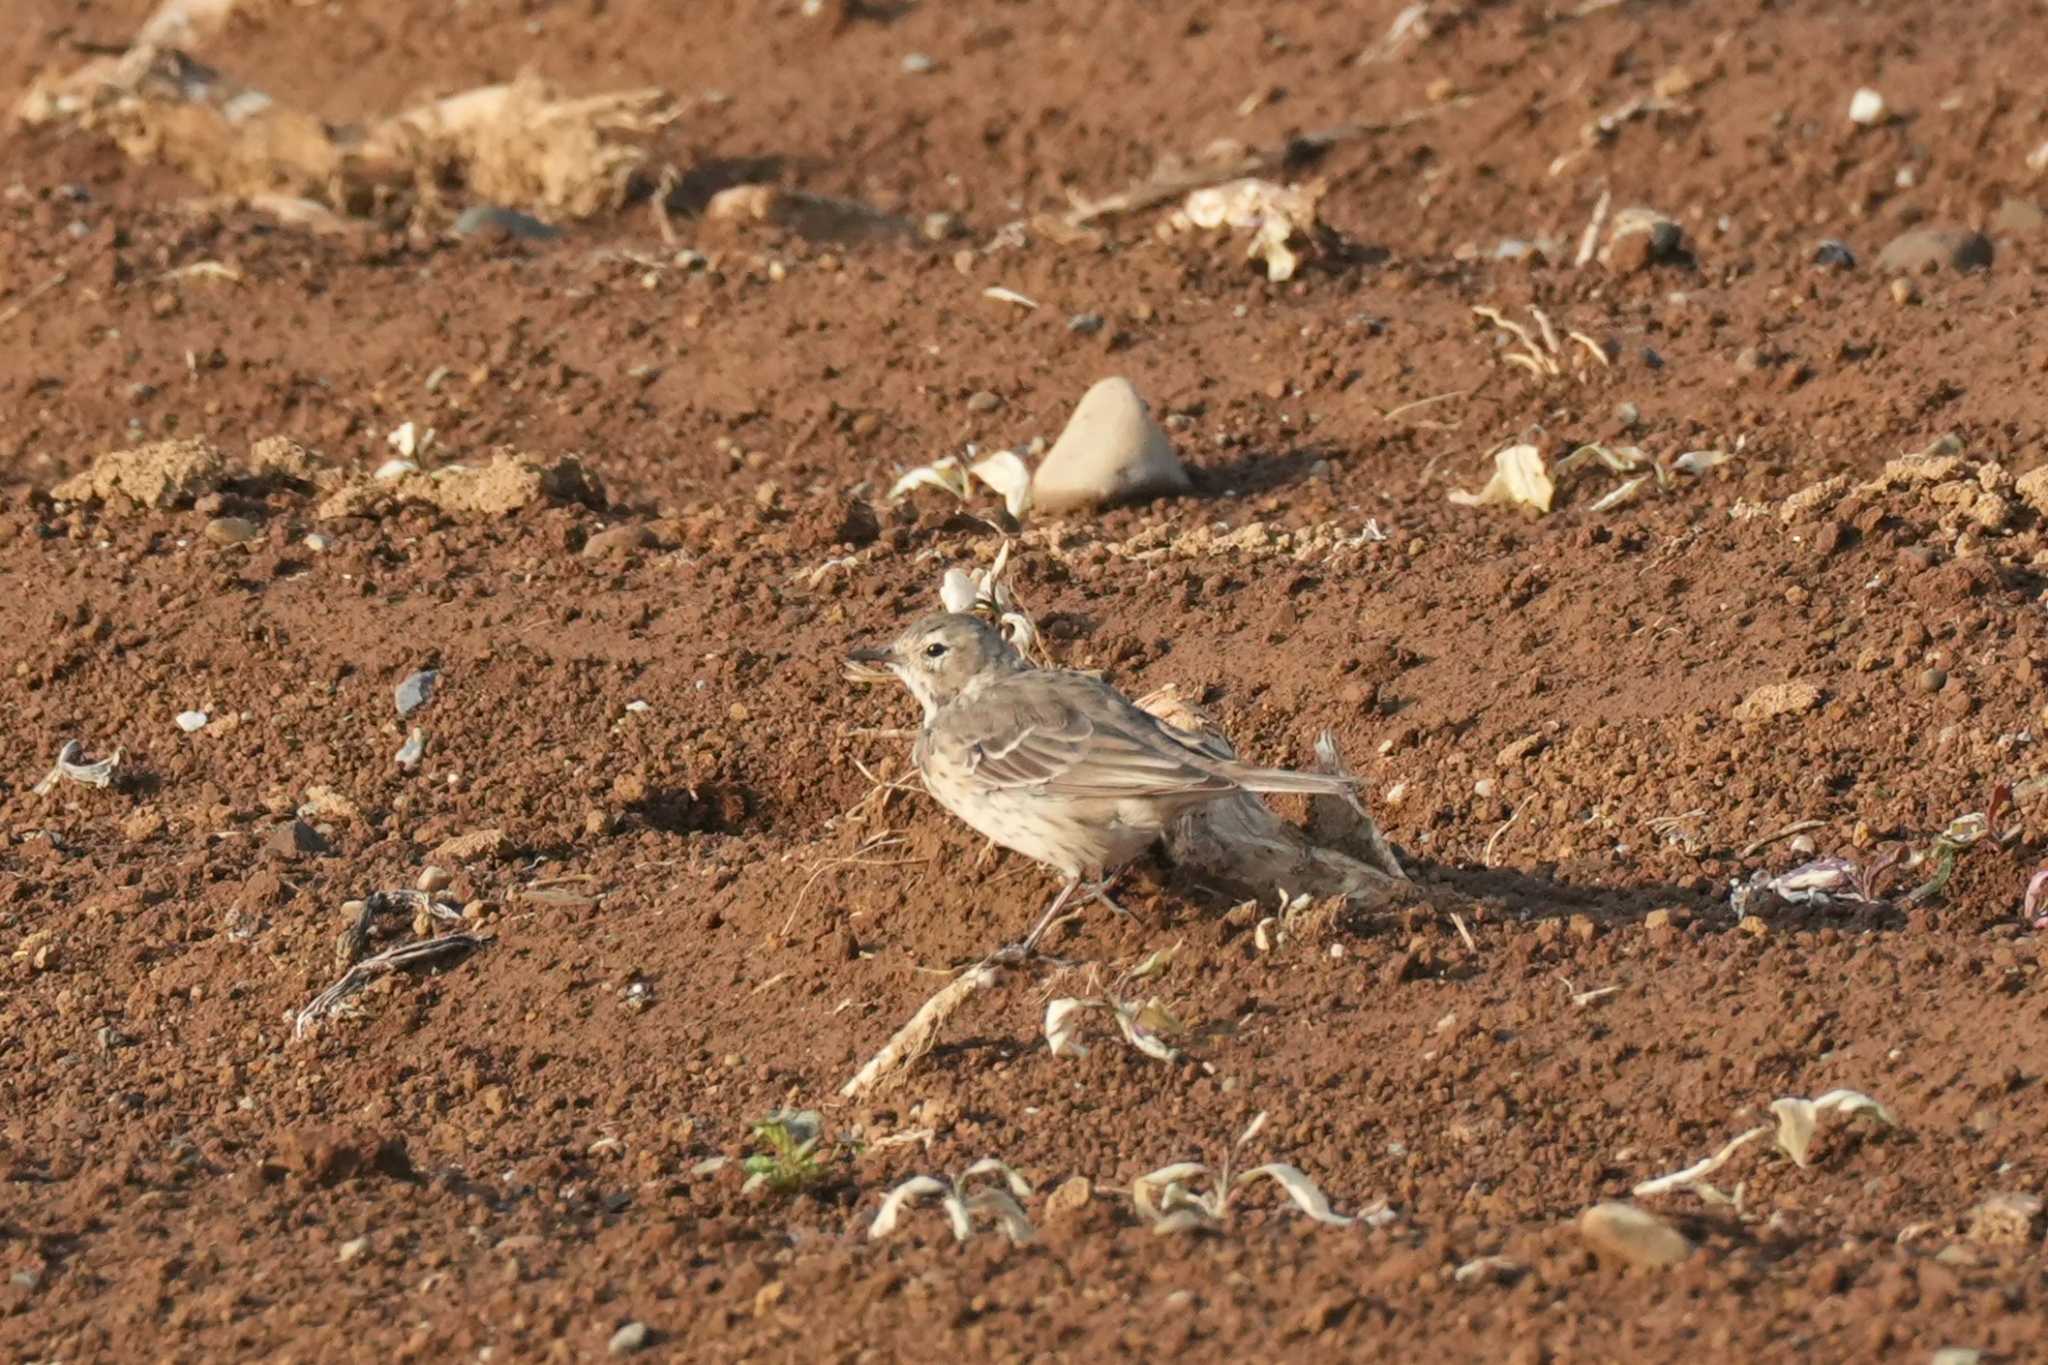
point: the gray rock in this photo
(232, 530)
(1934, 248)
(414, 692)
(628, 1339)
(1834, 255)
(617, 542)
(480, 218)
(1111, 451)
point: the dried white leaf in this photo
(1300, 1189)
(946, 474)
(1797, 1118)
(1006, 473)
(1003, 1211)
(1519, 480)
(1020, 632)
(1267, 935)
(1062, 1018)
(992, 586)
(1174, 1177)
(1156, 961)
(1623, 493)
(1697, 462)
(1275, 213)
(1002, 295)
(1378, 1214)
(71, 766)
(394, 469)
(1142, 1028)
(957, 592)
(957, 1214)
(1617, 459)
(896, 1200)
(1185, 1218)
(988, 1165)
(1252, 1129)
(1486, 1268)
(1269, 248)
(1694, 1176)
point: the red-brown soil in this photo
(507, 1157)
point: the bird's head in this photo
(938, 658)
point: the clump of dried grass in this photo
(520, 143)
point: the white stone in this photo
(1111, 451)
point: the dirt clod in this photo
(158, 475)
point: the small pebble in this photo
(352, 1249)
(231, 530)
(415, 748)
(1867, 107)
(415, 691)
(917, 64)
(432, 879)
(489, 218)
(1932, 679)
(1085, 324)
(1934, 248)
(188, 721)
(628, 1339)
(318, 543)
(1903, 292)
(983, 401)
(1834, 255)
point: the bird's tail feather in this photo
(1284, 780)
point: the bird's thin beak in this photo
(868, 665)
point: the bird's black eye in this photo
(934, 650)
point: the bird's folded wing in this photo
(1061, 750)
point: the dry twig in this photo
(915, 1038)
(370, 968)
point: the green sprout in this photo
(789, 1165)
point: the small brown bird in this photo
(1053, 764)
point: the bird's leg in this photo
(1099, 891)
(1017, 952)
